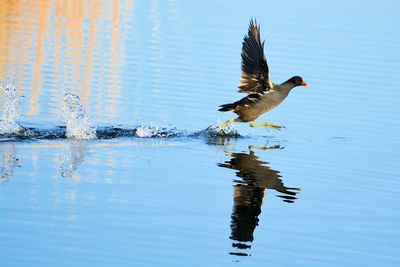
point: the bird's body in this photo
(252, 106)
(257, 173)
(263, 95)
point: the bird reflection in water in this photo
(255, 177)
(9, 161)
(72, 157)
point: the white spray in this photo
(78, 125)
(11, 109)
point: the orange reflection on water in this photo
(63, 46)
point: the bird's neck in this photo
(287, 86)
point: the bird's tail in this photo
(227, 107)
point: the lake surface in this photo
(321, 192)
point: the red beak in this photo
(304, 84)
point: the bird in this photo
(257, 173)
(263, 94)
(255, 177)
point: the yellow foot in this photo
(266, 124)
(223, 126)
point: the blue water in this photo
(194, 199)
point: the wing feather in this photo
(255, 72)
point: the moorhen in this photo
(263, 94)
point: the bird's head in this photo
(298, 81)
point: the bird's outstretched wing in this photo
(255, 77)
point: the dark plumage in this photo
(255, 81)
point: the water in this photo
(78, 124)
(11, 109)
(157, 186)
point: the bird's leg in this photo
(251, 147)
(223, 126)
(229, 154)
(266, 124)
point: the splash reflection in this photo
(9, 161)
(72, 156)
(249, 191)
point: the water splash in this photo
(215, 131)
(78, 125)
(11, 109)
(147, 131)
(212, 134)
